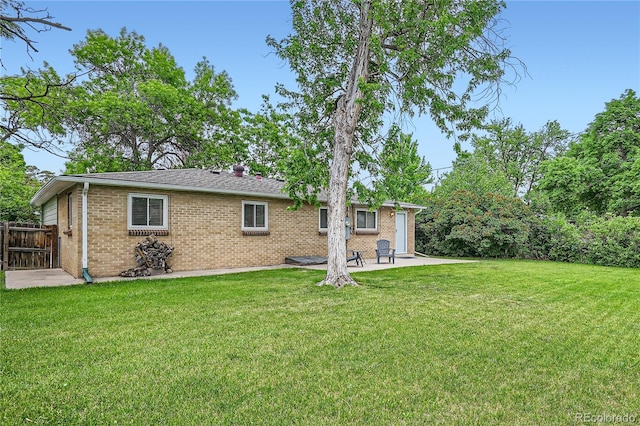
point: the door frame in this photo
(401, 231)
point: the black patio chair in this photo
(355, 255)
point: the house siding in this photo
(204, 229)
(50, 212)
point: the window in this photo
(255, 216)
(366, 220)
(324, 219)
(147, 211)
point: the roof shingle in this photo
(199, 180)
(207, 180)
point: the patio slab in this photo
(39, 278)
(401, 262)
(58, 277)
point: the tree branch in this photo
(14, 26)
(43, 21)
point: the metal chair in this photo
(384, 250)
(355, 255)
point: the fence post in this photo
(5, 246)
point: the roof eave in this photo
(53, 187)
(60, 183)
(403, 205)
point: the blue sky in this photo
(578, 54)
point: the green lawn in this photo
(495, 342)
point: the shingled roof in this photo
(197, 180)
(173, 179)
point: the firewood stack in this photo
(150, 254)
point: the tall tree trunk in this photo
(337, 273)
(345, 123)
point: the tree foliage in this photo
(403, 170)
(517, 154)
(27, 100)
(356, 60)
(601, 170)
(17, 185)
(472, 172)
(33, 107)
(30, 98)
(260, 144)
(135, 110)
(397, 174)
(466, 224)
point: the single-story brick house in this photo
(212, 219)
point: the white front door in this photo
(401, 232)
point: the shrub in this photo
(555, 238)
(470, 225)
(613, 241)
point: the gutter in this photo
(85, 237)
(59, 183)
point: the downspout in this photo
(85, 236)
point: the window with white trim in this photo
(255, 216)
(323, 219)
(147, 211)
(366, 220)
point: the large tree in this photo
(517, 154)
(601, 170)
(17, 185)
(29, 98)
(135, 110)
(356, 61)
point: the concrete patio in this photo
(58, 277)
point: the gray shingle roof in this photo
(193, 179)
(173, 179)
(178, 180)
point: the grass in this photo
(494, 342)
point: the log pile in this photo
(150, 254)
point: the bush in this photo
(470, 225)
(613, 241)
(555, 238)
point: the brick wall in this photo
(205, 230)
(70, 234)
(366, 240)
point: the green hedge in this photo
(490, 225)
(612, 241)
(470, 225)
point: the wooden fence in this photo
(28, 246)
